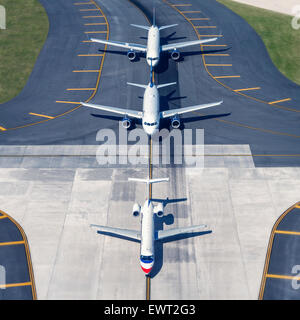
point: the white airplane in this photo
(153, 47)
(147, 235)
(151, 113)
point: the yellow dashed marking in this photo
(2, 129)
(89, 9)
(87, 17)
(3, 217)
(40, 115)
(95, 24)
(95, 31)
(11, 285)
(288, 232)
(191, 11)
(198, 19)
(246, 89)
(85, 70)
(81, 89)
(91, 55)
(217, 54)
(205, 27)
(283, 100)
(220, 77)
(279, 276)
(11, 243)
(214, 45)
(71, 102)
(219, 65)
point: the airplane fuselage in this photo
(151, 110)
(147, 237)
(153, 46)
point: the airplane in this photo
(151, 113)
(153, 47)
(147, 235)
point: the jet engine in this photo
(131, 55)
(159, 210)
(175, 122)
(136, 210)
(175, 55)
(126, 123)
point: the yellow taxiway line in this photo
(198, 19)
(87, 17)
(95, 24)
(71, 102)
(95, 32)
(246, 89)
(283, 100)
(11, 285)
(220, 77)
(80, 89)
(288, 232)
(89, 9)
(11, 243)
(91, 55)
(279, 276)
(219, 65)
(85, 71)
(182, 5)
(2, 129)
(40, 115)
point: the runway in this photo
(235, 68)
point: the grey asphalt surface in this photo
(284, 256)
(240, 120)
(13, 258)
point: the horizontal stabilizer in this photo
(137, 85)
(169, 26)
(139, 26)
(148, 181)
(165, 85)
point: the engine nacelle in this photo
(126, 123)
(159, 210)
(131, 55)
(175, 55)
(136, 210)
(175, 122)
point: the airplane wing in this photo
(163, 234)
(130, 113)
(132, 234)
(127, 45)
(178, 45)
(171, 113)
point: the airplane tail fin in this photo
(139, 26)
(148, 181)
(169, 26)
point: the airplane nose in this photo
(146, 270)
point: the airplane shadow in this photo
(159, 244)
